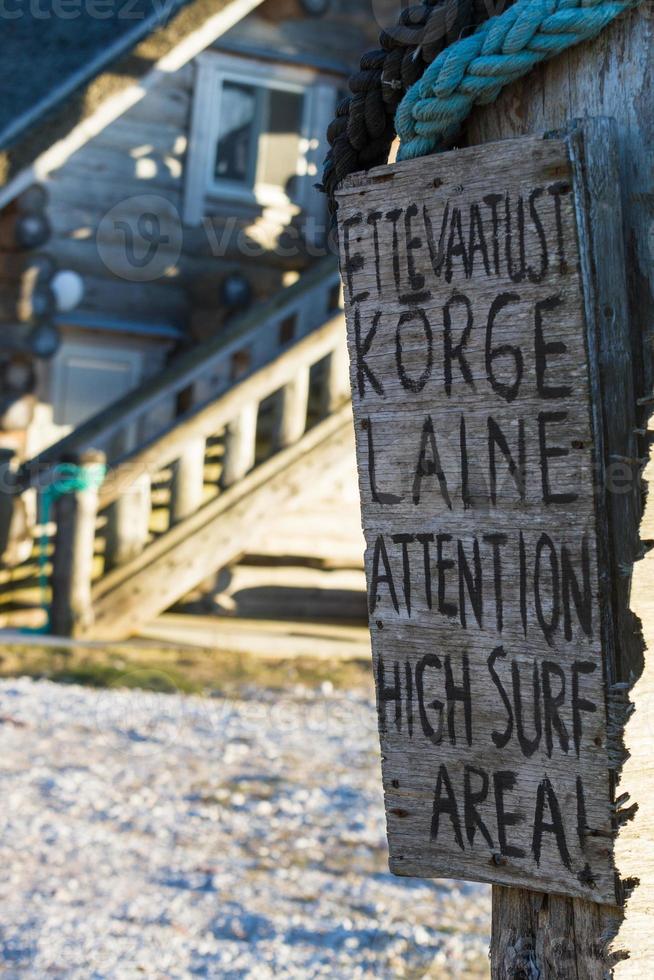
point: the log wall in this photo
(136, 165)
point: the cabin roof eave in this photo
(49, 132)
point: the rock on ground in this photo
(153, 835)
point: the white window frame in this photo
(202, 190)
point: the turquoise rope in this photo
(474, 70)
(67, 478)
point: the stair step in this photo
(282, 590)
(268, 639)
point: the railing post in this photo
(188, 480)
(15, 532)
(128, 523)
(336, 386)
(240, 445)
(291, 411)
(6, 498)
(74, 546)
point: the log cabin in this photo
(169, 298)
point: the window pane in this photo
(279, 141)
(234, 152)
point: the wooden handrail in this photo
(205, 420)
(225, 502)
(187, 369)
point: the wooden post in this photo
(400, 389)
(15, 531)
(612, 76)
(6, 497)
(128, 523)
(74, 547)
(188, 480)
(336, 388)
(240, 445)
(529, 929)
(291, 420)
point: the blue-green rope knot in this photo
(474, 70)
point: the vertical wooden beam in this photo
(530, 929)
(291, 419)
(336, 388)
(611, 76)
(240, 445)
(188, 480)
(6, 497)
(547, 937)
(74, 548)
(128, 523)
(15, 531)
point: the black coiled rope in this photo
(360, 136)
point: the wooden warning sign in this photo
(471, 379)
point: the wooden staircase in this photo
(202, 462)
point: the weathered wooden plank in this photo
(83, 256)
(75, 221)
(187, 491)
(137, 301)
(470, 372)
(129, 135)
(604, 274)
(336, 385)
(140, 172)
(64, 187)
(240, 444)
(291, 418)
(550, 936)
(15, 534)
(128, 523)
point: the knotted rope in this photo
(360, 136)
(475, 69)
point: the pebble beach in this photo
(173, 836)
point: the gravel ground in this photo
(169, 836)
